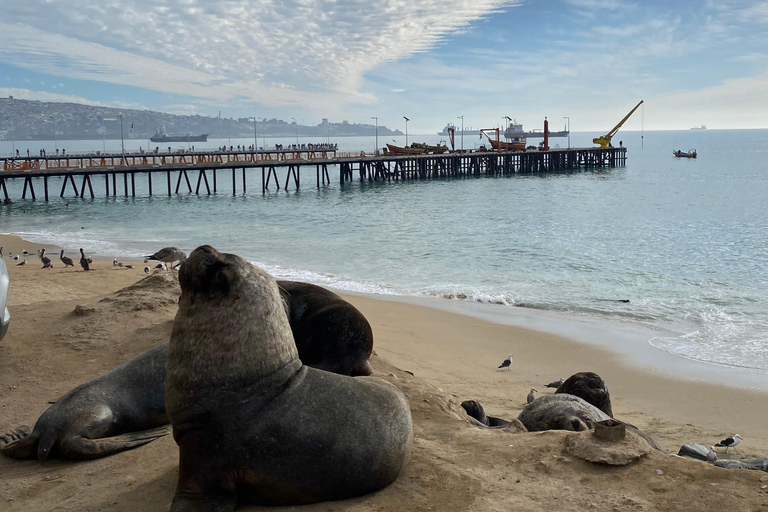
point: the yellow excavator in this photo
(605, 140)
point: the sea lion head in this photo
(231, 325)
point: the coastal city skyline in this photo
(694, 63)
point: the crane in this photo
(605, 140)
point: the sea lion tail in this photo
(20, 443)
(362, 370)
(82, 448)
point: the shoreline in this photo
(637, 374)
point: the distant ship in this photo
(467, 131)
(515, 129)
(702, 127)
(161, 136)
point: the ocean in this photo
(683, 241)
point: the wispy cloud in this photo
(278, 52)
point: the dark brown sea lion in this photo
(330, 333)
(589, 386)
(252, 423)
(117, 411)
(477, 415)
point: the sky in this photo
(692, 62)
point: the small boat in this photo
(397, 150)
(439, 148)
(691, 153)
(516, 144)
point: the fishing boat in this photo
(397, 150)
(438, 148)
(691, 153)
(514, 144)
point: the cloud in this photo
(278, 52)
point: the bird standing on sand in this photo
(556, 384)
(22, 263)
(15, 258)
(45, 259)
(531, 395)
(730, 442)
(67, 261)
(146, 270)
(506, 363)
(114, 262)
(168, 255)
(84, 261)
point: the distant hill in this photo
(37, 120)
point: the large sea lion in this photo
(117, 411)
(589, 386)
(330, 333)
(254, 424)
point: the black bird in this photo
(84, 260)
(45, 259)
(67, 261)
(506, 363)
(730, 442)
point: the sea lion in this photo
(254, 424)
(562, 411)
(477, 415)
(589, 386)
(330, 333)
(117, 411)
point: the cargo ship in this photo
(515, 129)
(467, 131)
(162, 136)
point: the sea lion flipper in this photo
(19, 443)
(83, 448)
(362, 370)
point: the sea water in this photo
(683, 241)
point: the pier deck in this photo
(117, 168)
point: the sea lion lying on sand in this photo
(330, 333)
(252, 423)
(104, 416)
(589, 386)
(117, 411)
(476, 413)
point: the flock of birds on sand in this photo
(166, 256)
(728, 442)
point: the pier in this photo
(117, 173)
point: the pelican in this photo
(67, 261)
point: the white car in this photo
(5, 319)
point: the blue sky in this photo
(693, 62)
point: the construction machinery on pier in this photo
(605, 140)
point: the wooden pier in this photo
(120, 171)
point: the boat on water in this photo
(702, 127)
(161, 136)
(457, 131)
(691, 153)
(515, 129)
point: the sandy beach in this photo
(438, 358)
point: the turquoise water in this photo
(683, 240)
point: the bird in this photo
(22, 263)
(161, 266)
(90, 260)
(26, 253)
(67, 261)
(15, 257)
(114, 262)
(711, 454)
(556, 384)
(506, 363)
(531, 395)
(45, 259)
(730, 442)
(146, 270)
(168, 255)
(84, 261)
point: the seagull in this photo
(506, 363)
(556, 384)
(114, 262)
(161, 266)
(711, 455)
(66, 260)
(146, 270)
(168, 255)
(730, 442)
(25, 252)
(84, 261)
(531, 395)
(15, 257)
(22, 263)
(45, 259)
